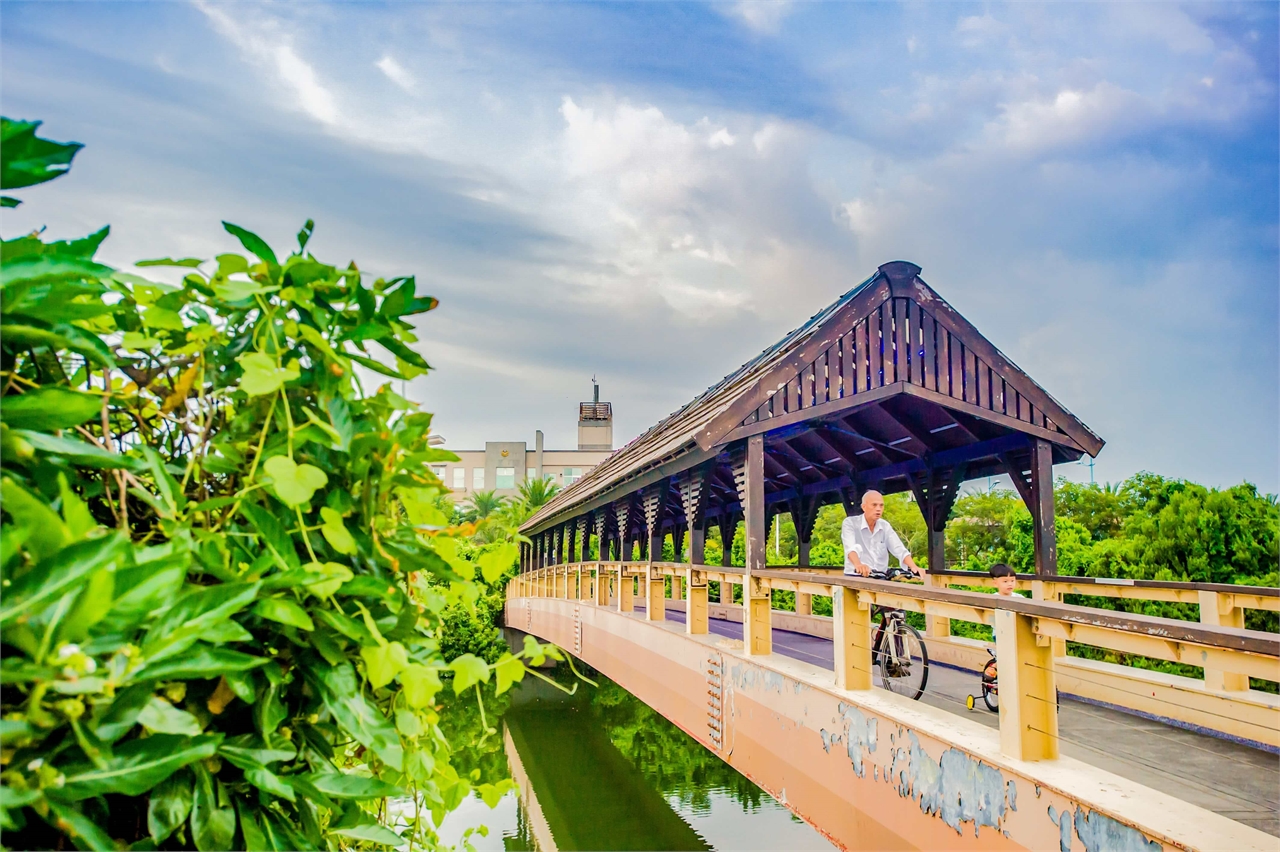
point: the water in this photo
(601, 770)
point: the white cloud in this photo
(396, 73)
(763, 16)
(722, 138)
(1071, 116)
(269, 47)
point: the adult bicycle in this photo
(896, 648)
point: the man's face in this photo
(1006, 584)
(873, 507)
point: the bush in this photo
(224, 562)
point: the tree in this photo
(534, 493)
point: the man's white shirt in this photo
(873, 548)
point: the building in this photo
(502, 466)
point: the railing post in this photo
(695, 614)
(804, 603)
(677, 592)
(935, 626)
(1028, 697)
(1042, 591)
(1220, 610)
(757, 626)
(624, 589)
(602, 586)
(656, 594)
(851, 633)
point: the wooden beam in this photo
(757, 632)
(1046, 539)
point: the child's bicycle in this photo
(990, 690)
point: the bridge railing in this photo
(1025, 630)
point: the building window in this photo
(438, 470)
(506, 477)
(477, 478)
(459, 479)
(572, 475)
(530, 474)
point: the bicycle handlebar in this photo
(892, 574)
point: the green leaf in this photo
(188, 262)
(421, 683)
(161, 717)
(46, 267)
(230, 290)
(27, 159)
(254, 839)
(52, 577)
(372, 834)
(47, 533)
(213, 819)
(335, 532)
(262, 375)
(284, 611)
(84, 832)
(9, 201)
(169, 805)
(136, 766)
(509, 670)
(338, 785)
(376, 366)
(294, 483)
(273, 533)
(162, 318)
(496, 562)
(255, 244)
(79, 519)
(78, 452)
(492, 793)
(268, 781)
(46, 409)
(331, 577)
(344, 699)
(383, 662)
(201, 662)
(181, 624)
(468, 670)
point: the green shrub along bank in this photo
(227, 576)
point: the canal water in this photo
(601, 770)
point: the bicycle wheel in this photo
(990, 696)
(904, 665)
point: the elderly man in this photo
(869, 539)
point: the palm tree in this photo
(536, 492)
(484, 504)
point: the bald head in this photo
(872, 507)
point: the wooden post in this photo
(676, 591)
(1046, 539)
(804, 512)
(851, 635)
(656, 586)
(695, 614)
(1220, 610)
(936, 626)
(728, 531)
(1028, 697)
(602, 586)
(624, 589)
(1041, 591)
(757, 630)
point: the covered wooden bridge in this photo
(888, 388)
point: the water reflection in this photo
(601, 770)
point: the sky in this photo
(652, 193)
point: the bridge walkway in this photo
(1228, 778)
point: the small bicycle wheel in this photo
(991, 697)
(968, 701)
(906, 671)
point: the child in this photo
(1005, 579)
(1005, 583)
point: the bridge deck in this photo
(1234, 780)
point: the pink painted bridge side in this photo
(869, 769)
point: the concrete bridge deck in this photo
(1234, 780)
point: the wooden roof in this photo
(887, 380)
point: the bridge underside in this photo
(868, 769)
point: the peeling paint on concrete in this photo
(1101, 833)
(828, 739)
(749, 677)
(958, 788)
(859, 733)
(1063, 822)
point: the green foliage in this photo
(225, 582)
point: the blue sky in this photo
(654, 192)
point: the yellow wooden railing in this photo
(1026, 631)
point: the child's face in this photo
(1006, 584)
